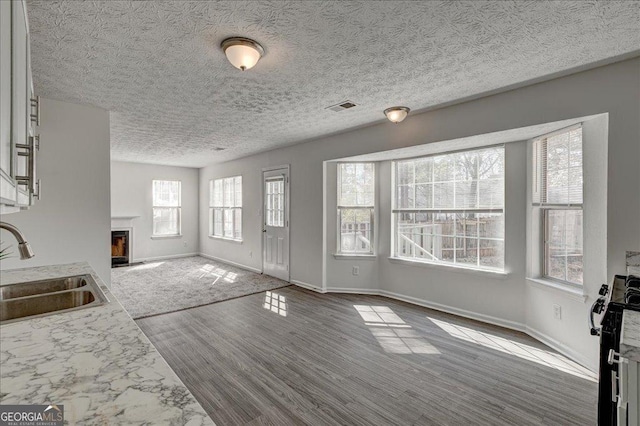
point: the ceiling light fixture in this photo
(243, 53)
(396, 114)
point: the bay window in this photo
(449, 209)
(557, 193)
(356, 205)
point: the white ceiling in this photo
(174, 98)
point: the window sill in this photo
(343, 256)
(231, 240)
(451, 268)
(572, 290)
(165, 237)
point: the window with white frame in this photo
(275, 201)
(166, 208)
(449, 209)
(356, 206)
(225, 208)
(557, 193)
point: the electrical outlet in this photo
(250, 254)
(185, 243)
(557, 312)
(356, 270)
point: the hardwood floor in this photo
(325, 359)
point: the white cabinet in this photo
(18, 111)
(8, 192)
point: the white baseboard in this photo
(307, 286)
(512, 325)
(368, 291)
(171, 256)
(236, 264)
(431, 305)
(562, 348)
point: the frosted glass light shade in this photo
(396, 114)
(243, 53)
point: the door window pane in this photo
(275, 202)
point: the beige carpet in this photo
(160, 287)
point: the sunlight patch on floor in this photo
(146, 266)
(392, 333)
(218, 273)
(275, 303)
(520, 350)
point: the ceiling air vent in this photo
(341, 106)
(218, 149)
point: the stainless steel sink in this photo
(46, 297)
(41, 287)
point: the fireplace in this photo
(120, 250)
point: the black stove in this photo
(623, 293)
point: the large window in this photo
(557, 192)
(166, 208)
(225, 208)
(449, 208)
(356, 204)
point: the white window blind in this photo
(449, 208)
(225, 207)
(557, 168)
(166, 207)
(558, 186)
(356, 206)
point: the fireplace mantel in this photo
(124, 217)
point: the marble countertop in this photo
(95, 361)
(633, 270)
(630, 336)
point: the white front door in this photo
(275, 231)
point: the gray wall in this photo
(71, 222)
(131, 195)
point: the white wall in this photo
(613, 89)
(339, 269)
(131, 195)
(568, 333)
(494, 297)
(71, 222)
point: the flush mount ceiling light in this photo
(243, 53)
(396, 114)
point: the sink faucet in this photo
(23, 246)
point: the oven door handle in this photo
(596, 308)
(615, 358)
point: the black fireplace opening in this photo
(120, 248)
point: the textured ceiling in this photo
(174, 98)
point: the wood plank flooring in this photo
(327, 359)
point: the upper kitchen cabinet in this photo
(8, 190)
(19, 112)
